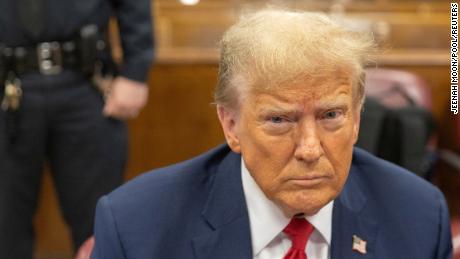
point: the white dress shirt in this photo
(267, 222)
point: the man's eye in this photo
(276, 119)
(332, 114)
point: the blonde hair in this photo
(270, 48)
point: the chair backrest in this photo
(395, 88)
(84, 252)
(397, 124)
(455, 227)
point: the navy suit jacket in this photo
(196, 209)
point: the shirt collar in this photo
(267, 220)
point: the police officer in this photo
(51, 53)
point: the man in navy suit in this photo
(288, 183)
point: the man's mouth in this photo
(308, 181)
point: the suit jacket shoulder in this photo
(151, 214)
(399, 214)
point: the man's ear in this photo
(228, 120)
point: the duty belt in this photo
(48, 58)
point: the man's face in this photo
(296, 141)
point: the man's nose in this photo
(309, 148)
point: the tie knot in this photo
(299, 231)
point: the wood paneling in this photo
(179, 121)
(53, 237)
(419, 35)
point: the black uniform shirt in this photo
(64, 18)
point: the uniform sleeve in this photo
(445, 237)
(108, 244)
(137, 39)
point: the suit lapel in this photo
(226, 214)
(348, 220)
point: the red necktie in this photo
(298, 230)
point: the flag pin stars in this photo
(359, 245)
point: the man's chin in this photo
(300, 205)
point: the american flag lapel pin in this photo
(359, 245)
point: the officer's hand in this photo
(126, 98)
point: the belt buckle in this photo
(49, 58)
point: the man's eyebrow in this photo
(279, 110)
(333, 105)
(340, 101)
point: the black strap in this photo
(31, 14)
